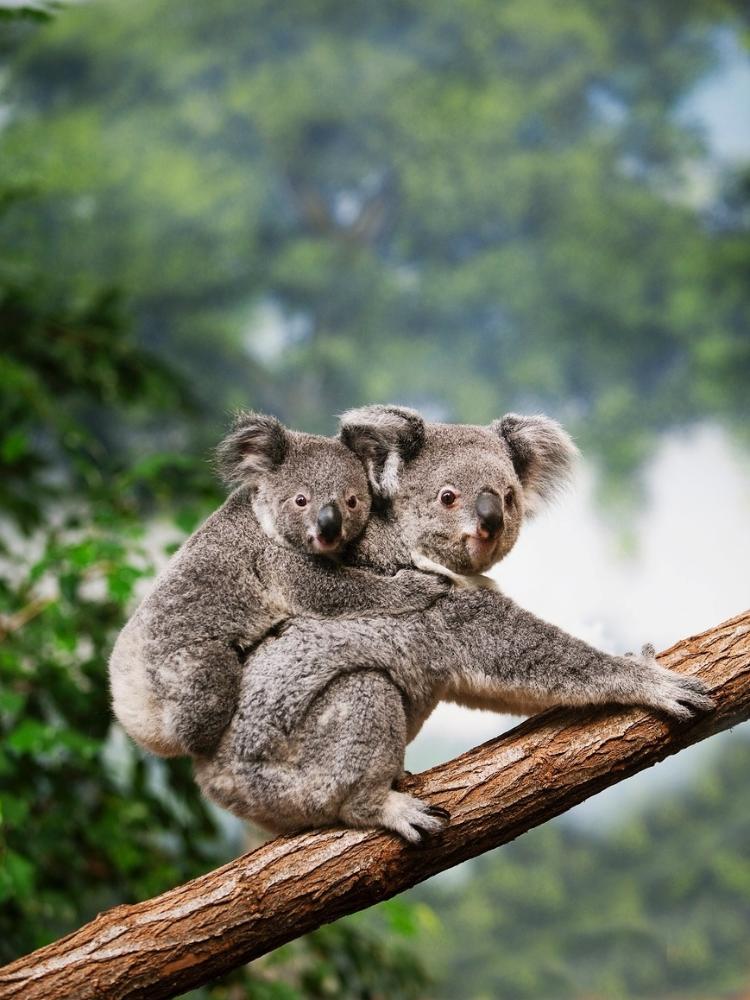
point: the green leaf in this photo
(31, 737)
(121, 581)
(16, 875)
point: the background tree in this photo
(342, 202)
(86, 820)
(468, 206)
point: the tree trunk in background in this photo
(199, 931)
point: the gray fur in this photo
(175, 669)
(542, 452)
(327, 708)
(256, 444)
(384, 437)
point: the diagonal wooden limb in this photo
(198, 931)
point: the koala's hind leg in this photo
(357, 733)
(339, 766)
(197, 688)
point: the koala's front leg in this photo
(503, 651)
(320, 587)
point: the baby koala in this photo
(270, 552)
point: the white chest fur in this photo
(476, 581)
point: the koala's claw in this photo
(678, 695)
(412, 818)
(694, 698)
(440, 812)
(398, 782)
(648, 652)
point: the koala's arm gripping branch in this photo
(194, 933)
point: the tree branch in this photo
(198, 931)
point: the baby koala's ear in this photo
(384, 437)
(255, 444)
(542, 452)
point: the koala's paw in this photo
(478, 581)
(411, 817)
(421, 589)
(679, 695)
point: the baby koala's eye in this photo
(447, 498)
(351, 502)
(301, 500)
(510, 498)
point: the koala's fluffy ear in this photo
(542, 453)
(255, 444)
(384, 437)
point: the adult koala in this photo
(327, 708)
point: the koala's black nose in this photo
(489, 510)
(329, 522)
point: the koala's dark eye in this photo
(447, 498)
(351, 502)
(510, 498)
(301, 500)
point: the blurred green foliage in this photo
(368, 956)
(76, 833)
(86, 819)
(468, 206)
(98, 436)
(72, 499)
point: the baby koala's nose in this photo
(489, 511)
(329, 522)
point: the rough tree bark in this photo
(194, 933)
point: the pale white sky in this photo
(721, 103)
